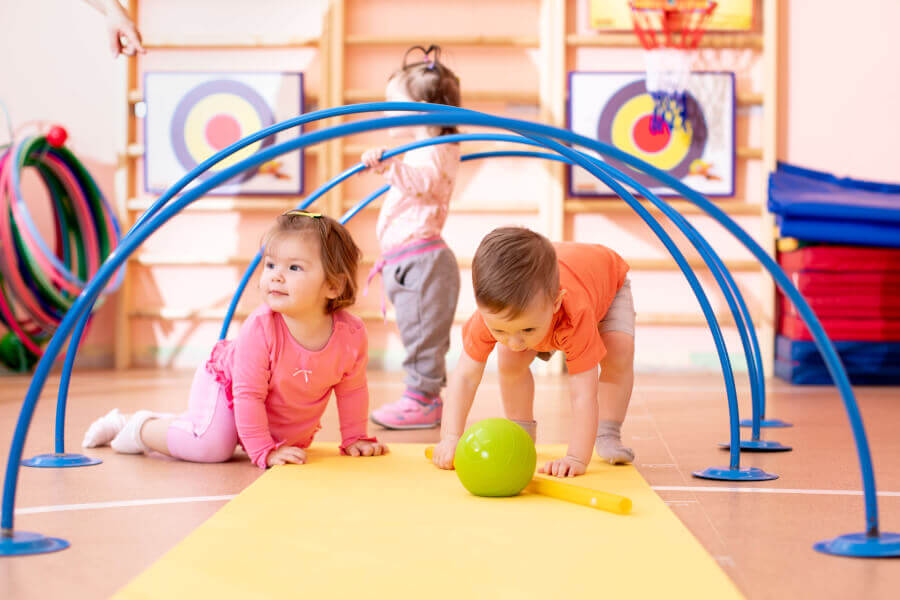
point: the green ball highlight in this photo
(495, 457)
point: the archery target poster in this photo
(616, 109)
(191, 116)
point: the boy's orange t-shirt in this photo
(591, 275)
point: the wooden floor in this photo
(124, 514)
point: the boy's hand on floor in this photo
(444, 453)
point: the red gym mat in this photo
(860, 330)
(826, 283)
(847, 306)
(840, 258)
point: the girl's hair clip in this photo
(302, 213)
(432, 56)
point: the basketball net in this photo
(668, 73)
(670, 30)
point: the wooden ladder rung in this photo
(613, 205)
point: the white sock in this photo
(609, 444)
(103, 430)
(128, 441)
(529, 426)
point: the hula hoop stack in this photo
(37, 285)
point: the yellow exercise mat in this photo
(397, 527)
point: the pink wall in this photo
(841, 87)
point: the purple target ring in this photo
(219, 86)
(694, 115)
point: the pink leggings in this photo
(206, 433)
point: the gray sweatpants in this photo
(424, 289)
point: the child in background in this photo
(535, 297)
(419, 272)
(269, 387)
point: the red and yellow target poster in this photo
(192, 116)
(616, 109)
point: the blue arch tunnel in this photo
(560, 146)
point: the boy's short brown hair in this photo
(511, 266)
(339, 253)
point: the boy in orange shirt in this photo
(535, 297)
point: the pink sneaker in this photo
(407, 413)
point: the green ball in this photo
(495, 457)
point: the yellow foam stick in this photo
(579, 495)
(572, 493)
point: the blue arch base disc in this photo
(760, 446)
(766, 423)
(885, 545)
(727, 474)
(26, 542)
(60, 460)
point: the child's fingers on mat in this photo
(295, 455)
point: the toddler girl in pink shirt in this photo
(418, 269)
(268, 388)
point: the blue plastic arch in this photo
(740, 313)
(867, 543)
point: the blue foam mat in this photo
(817, 206)
(840, 232)
(851, 353)
(867, 363)
(803, 374)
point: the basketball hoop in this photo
(670, 30)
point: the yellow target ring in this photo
(628, 115)
(215, 104)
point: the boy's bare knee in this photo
(619, 353)
(618, 364)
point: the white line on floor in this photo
(121, 504)
(658, 488)
(757, 490)
(771, 391)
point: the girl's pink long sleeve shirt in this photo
(279, 389)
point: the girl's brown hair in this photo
(429, 80)
(340, 254)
